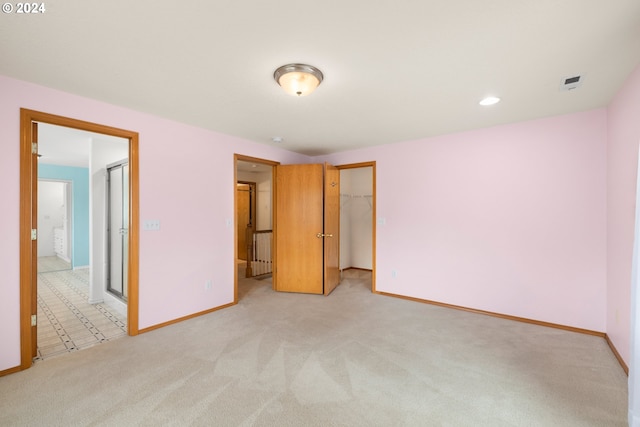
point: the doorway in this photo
(54, 225)
(254, 213)
(357, 219)
(30, 121)
(365, 169)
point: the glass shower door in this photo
(118, 228)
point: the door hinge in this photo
(34, 320)
(34, 148)
(34, 234)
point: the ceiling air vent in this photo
(570, 83)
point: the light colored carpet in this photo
(350, 359)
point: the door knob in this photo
(319, 235)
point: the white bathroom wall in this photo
(51, 208)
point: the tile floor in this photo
(66, 321)
(52, 263)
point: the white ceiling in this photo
(252, 168)
(64, 146)
(394, 70)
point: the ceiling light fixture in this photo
(489, 100)
(298, 79)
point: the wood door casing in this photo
(28, 207)
(34, 243)
(331, 228)
(299, 206)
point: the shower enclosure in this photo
(117, 228)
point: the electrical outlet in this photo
(394, 274)
(208, 285)
(151, 225)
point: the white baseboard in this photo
(115, 304)
(64, 258)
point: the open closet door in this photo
(307, 252)
(331, 228)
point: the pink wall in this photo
(510, 219)
(622, 164)
(186, 182)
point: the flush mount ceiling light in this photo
(298, 79)
(489, 100)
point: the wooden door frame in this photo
(273, 164)
(28, 278)
(371, 164)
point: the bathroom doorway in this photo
(87, 228)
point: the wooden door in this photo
(243, 218)
(305, 262)
(331, 228)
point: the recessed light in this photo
(489, 100)
(277, 139)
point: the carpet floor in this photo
(350, 359)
